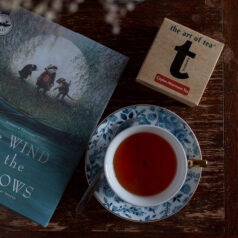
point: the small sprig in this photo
(116, 10)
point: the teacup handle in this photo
(197, 163)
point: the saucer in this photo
(144, 115)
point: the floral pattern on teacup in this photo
(143, 115)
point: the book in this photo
(54, 87)
(180, 62)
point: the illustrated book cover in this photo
(180, 62)
(54, 86)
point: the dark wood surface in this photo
(213, 210)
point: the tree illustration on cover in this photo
(56, 67)
(55, 75)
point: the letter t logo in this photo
(182, 52)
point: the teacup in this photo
(145, 165)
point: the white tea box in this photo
(180, 62)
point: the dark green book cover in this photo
(54, 86)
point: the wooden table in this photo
(213, 210)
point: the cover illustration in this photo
(54, 86)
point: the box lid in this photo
(180, 62)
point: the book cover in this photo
(180, 62)
(54, 86)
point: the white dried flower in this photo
(27, 4)
(41, 8)
(116, 30)
(130, 6)
(50, 15)
(57, 5)
(116, 9)
(73, 7)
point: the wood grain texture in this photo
(231, 115)
(213, 210)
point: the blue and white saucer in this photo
(151, 115)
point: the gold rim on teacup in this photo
(181, 172)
